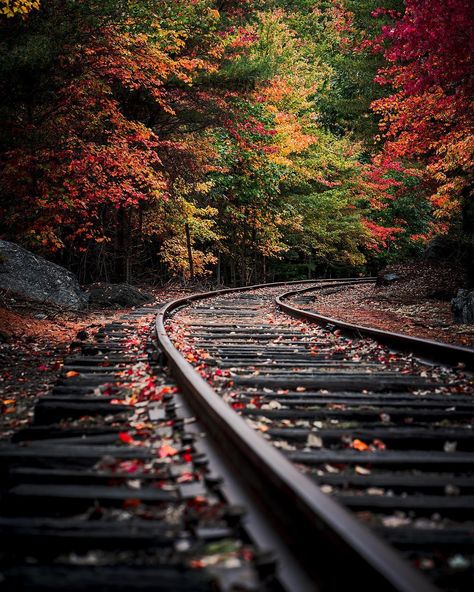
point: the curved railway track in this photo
(360, 448)
(291, 457)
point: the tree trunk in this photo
(467, 203)
(219, 263)
(119, 263)
(190, 253)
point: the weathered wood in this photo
(333, 382)
(50, 412)
(105, 578)
(386, 458)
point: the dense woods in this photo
(239, 139)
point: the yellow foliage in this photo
(11, 8)
(175, 255)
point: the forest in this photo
(237, 140)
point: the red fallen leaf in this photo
(130, 466)
(125, 437)
(43, 367)
(237, 405)
(167, 450)
(359, 445)
(379, 444)
(131, 503)
(197, 502)
(187, 457)
(71, 374)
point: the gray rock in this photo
(463, 307)
(386, 279)
(35, 278)
(118, 295)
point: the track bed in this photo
(382, 433)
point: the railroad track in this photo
(342, 422)
(109, 487)
(282, 461)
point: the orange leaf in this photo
(71, 374)
(359, 445)
(167, 450)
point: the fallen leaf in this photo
(359, 445)
(167, 450)
(362, 470)
(379, 444)
(125, 437)
(314, 441)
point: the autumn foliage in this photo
(189, 136)
(428, 119)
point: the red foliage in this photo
(428, 117)
(380, 235)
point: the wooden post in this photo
(190, 253)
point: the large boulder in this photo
(463, 306)
(35, 278)
(118, 295)
(439, 248)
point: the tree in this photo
(428, 118)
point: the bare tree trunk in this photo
(219, 263)
(119, 246)
(467, 205)
(190, 253)
(127, 246)
(255, 252)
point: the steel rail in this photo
(449, 354)
(330, 544)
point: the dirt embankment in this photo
(418, 303)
